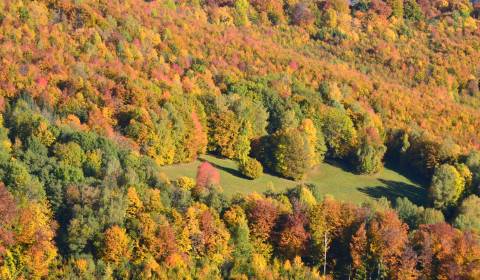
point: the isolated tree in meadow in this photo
(251, 168)
(446, 187)
(207, 175)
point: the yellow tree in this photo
(116, 245)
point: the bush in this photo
(251, 168)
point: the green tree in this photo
(339, 132)
(369, 156)
(414, 215)
(70, 153)
(242, 147)
(292, 154)
(469, 214)
(413, 11)
(251, 168)
(446, 187)
(241, 12)
(397, 8)
(473, 163)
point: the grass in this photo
(330, 178)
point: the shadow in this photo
(393, 189)
(406, 172)
(341, 164)
(232, 171)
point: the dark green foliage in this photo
(469, 214)
(340, 134)
(368, 157)
(415, 215)
(412, 11)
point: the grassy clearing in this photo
(331, 179)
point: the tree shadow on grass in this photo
(230, 170)
(344, 166)
(393, 189)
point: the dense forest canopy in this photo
(96, 96)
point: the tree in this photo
(315, 140)
(325, 223)
(224, 129)
(301, 15)
(340, 134)
(369, 156)
(293, 237)
(397, 8)
(413, 11)
(469, 214)
(242, 148)
(379, 244)
(262, 216)
(207, 176)
(445, 252)
(446, 187)
(8, 211)
(116, 245)
(241, 12)
(70, 153)
(473, 163)
(236, 220)
(414, 215)
(251, 168)
(293, 154)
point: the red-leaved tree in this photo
(207, 175)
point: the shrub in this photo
(251, 168)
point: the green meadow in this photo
(331, 179)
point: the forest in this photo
(97, 96)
